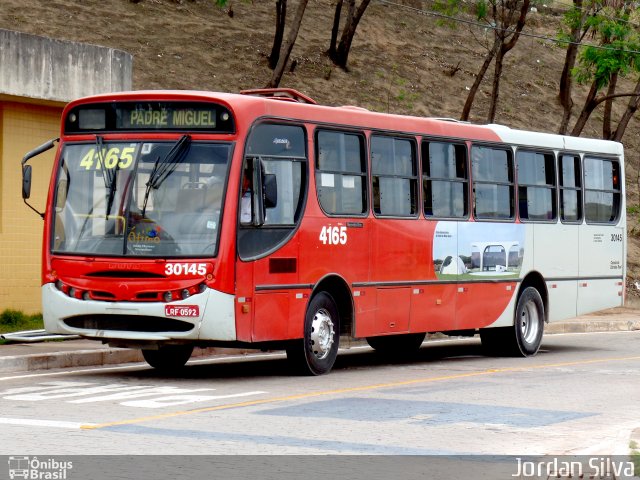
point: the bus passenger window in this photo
(341, 173)
(492, 183)
(445, 180)
(536, 186)
(570, 189)
(394, 177)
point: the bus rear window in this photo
(602, 190)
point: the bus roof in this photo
(252, 106)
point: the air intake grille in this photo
(128, 323)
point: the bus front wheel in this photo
(316, 353)
(525, 336)
(168, 357)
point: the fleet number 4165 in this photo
(333, 235)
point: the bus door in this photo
(274, 183)
(557, 245)
(602, 237)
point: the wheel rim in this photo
(529, 322)
(321, 334)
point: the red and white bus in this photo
(178, 219)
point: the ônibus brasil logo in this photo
(34, 469)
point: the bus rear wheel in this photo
(168, 357)
(316, 353)
(525, 336)
(397, 344)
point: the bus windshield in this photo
(140, 199)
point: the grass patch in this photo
(15, 321)
(635, 455)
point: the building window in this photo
(570, 189)
(394, 177)
(445, 180)
(536, 186)
(341, 173)
(492, 170)
(601, 190)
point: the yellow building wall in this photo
(23, 127)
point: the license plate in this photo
(182, 310)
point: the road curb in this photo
(115, 356)
(71, 359)
(92, 358)
(596, 325)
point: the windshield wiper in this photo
(161, 170)
(112, 189)
(108, 175)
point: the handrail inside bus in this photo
(287, 94)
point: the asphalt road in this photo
(579, 395)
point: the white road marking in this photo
(33, 422)
(132, 395)
(144, 366)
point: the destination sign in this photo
(135, 116)
(180, 118)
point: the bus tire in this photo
(397, 344)
(529, 322)
(525, 336)
(316, 353)
(168, 357)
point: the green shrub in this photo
(15, 321)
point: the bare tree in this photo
(508, 39)
(331, 52)
(340, 53)
(288, 46)
(281, 16)
(632, 106)
(508, 18)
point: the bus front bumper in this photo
(208, 316)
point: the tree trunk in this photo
(632, 106)
(505, 47)
(288, 46)
(608, 107)
(499, 50)
(566, 79)
(281, 16)
(334, 30)
(497, 72)
(344, 47)
(589, 104)
(479, 77)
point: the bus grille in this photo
(128, 323)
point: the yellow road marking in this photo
(351, 389)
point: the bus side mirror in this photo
(270, 190)
(26, 172)
(26, 181)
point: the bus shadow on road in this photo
(274, 364)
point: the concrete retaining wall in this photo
(56, 70)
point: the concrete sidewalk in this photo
(26, 357)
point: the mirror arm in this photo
(41, 214)
(36, 151)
